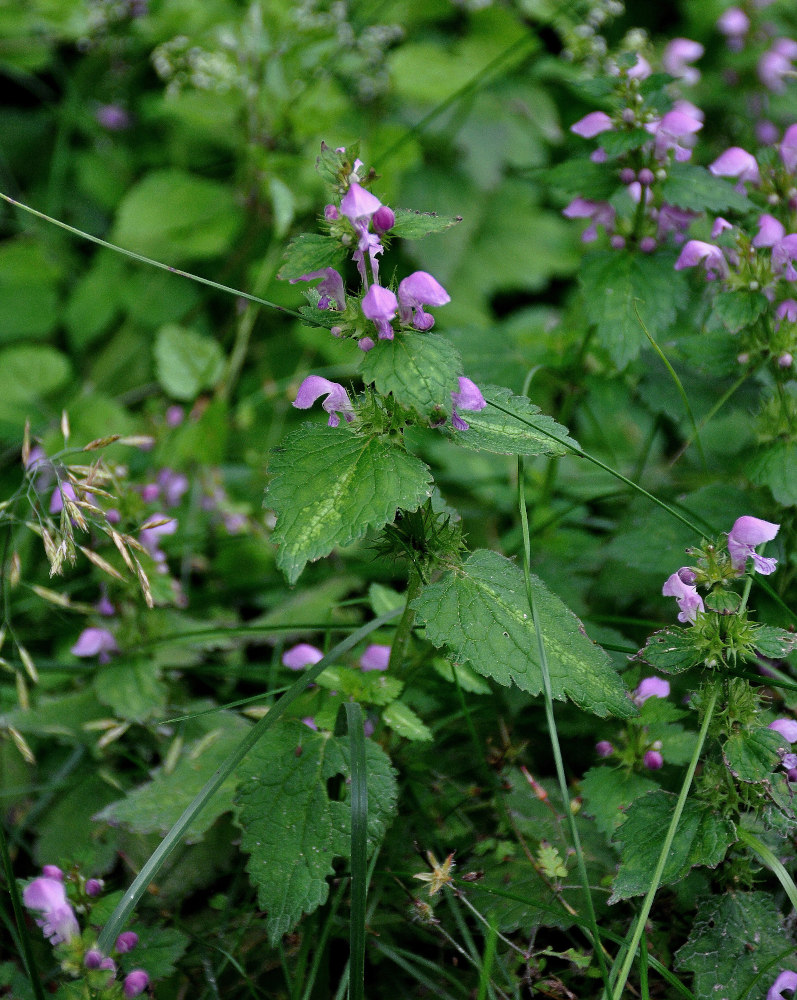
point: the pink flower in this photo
(384, 219)
(651, 687)
(337, 399)
(776, 64)
(156, 528)
(97, 642)
(746, 533)
(736, 162)
(380, 305)
(600, 212)
(653, 760)
(469, 397)
(417, 290)
(301, 656)
(681, 586)
(592, 124)
(676, 58)
(786, 727)
(784, 253)
(788, 149)
(126, 941)
(173, 485)
(711, 257)
(770, 231)
(603, 748)
(358, 203)
(331, 291)
(676, 132)
(58, 920)
(376, 657)
(734, 24)
(135, 983)
(785, 981)
(720, 225)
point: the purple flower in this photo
(600, 212)
(711, 257)
(330, 290)
(734, 24)
(676, 58)
(787, 309)
(58, 920)
(736, 162)
(92, 958)
(135, 983)
(380, 305)
(371, 243)
(776, 64)
(301, 656)
(680, 586)
(331, 213)
(358, 203)
(97, 642)
(603, 748)
(746, 533)
(112, 117)
(720, 225)
(156, 527)
(310, 722)
(53, 871)
(417, 290)
(175, 416)
(94, 887)
(641, 69)
(592, 124)
(786, 727)
(469, 397)
(770, 231)
(108, 965)
(384, 219)
(376, 657)
(785, 981)
(651, 687)
(172, 485)
(672, 219)
(784, 253)
(785, 360)
(788, 150)
(653, 760)
(126, 941)
(337, 400)
(676, 132)
(62, 491)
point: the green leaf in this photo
(132, 689)
(739, 309)
(419, 369)
(163, 946)
(29, 277)
(702, 838)
(29, 372)
(311, 252)
(329, 487)
(372, 687)
(171, 215)
(403, 721)
(415, 225)
(616, 282)
(774, 466)
(155, 806)
(482, 613)
(186, 362)
(751, 755)
(672, 651)
(724, 602)
(292, 828)
(735, 944)
(462, 674)
(580, 178)
(695, 189)
(527, 431)
(617, 142)
(775, 643)
(609, 791)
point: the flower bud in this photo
(331, 213)
(93, 886)
(53, 871)
(126, 941)
(383, 219)
(653, 760)
(603, 748)
(92, 959)
(647, 244)
(645, 177)
(627, 175)
(785, 360)
(135, 983)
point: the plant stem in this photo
(665, 849)
(401, 639)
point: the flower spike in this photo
(337, 401)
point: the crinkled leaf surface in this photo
(330, 486)
(522, 431)
(581, 178)
(615, 283)
(482, 613)
(774, 642)
(740, 308)
(405, 722)
(609, 791)
(419, 369)
(775, 466)
(672, 651)
(734, 946)
(694, 188)
(702, 838)
(292, 829)
(310, 252)
(133, 689)
(414, 225)
(751, 755)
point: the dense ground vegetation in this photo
(373, 375)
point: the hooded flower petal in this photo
(358, 203)
(697, 252)
(786, 310)
(469, 397)
(788, 149)
(301, 656)
(592, 124)
(676, 131)
(776, 64)
(95, 642)
(58, 920)
(785, 981)
(784, 253)
(600, 212)
(331, 289)
(736, 162)
(651, 687)
(770, 231)
(417, 290)
(786, 727)
(746, 533)
(337, 400)
(380, 305)
(676, 58)
(376, 657)
(680, 586)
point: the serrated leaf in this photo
(735, 937)
(411, 225)
(403, 721)
(419, 369)
(133, 690)
(481, 612)
(616, 283)
(460, 673)
(774, 643)
(609, 791)
(617, 142)
(695, 189)
(724, 602)
(186, 362)
(672, 651)
(702, 838)
(526, 431)
(329, 487)
(751, 755)
(372, 687)
(310, 252)
(292, 829)
(163, 946)
(740, 308)
(155, 806)
(775, 466)
(580, 178)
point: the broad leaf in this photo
(405, 722)
(292, 828)
(609, 791)
(373, 687)
(133, 689)
(775, 466)
(619, 142)
(737, 946)
(329, 487)
(311, 252)
(186, 362)
(774, 643)
(751, 755)
(740, 308)
(617, 283)
(694, 188)
(411, 225)
(672, 651)
(580, 178)
(522, 431)
(482, 613)
(702, 838)
(419, 369)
